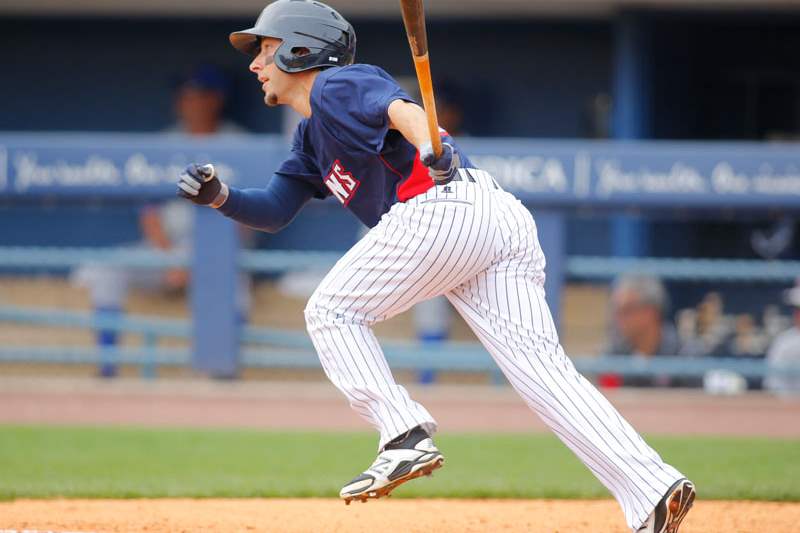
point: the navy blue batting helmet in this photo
(314, 35)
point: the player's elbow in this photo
(274, 229)
(275, 223)
(401, 111)
(409, 119)
(269, 227)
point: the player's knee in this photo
(325, 312)
(317, 311)
(310, 313)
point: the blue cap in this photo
(208, 78)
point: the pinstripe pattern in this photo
(477, 245)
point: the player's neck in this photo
(300, 98)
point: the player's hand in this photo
(445, 167)
(200, 184)
(176, 279)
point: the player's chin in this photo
(271, 99)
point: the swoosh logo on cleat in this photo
(380, 464)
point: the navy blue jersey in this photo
(346, 148)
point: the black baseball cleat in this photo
(671, 510)
(407, 457)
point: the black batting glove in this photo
(199, 183)
(443, 168)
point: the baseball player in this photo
(439, 226)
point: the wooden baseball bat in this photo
(414, 20)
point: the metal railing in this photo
(278, 348)
(292, 349)
(592, 267)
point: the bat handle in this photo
(423, 67)
(436, 139)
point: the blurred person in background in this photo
(785, 351)
(638, 305)
(714, 329)
(747, 340)
(200, 101)
(707, 331)
(199, 105)
(163, 227)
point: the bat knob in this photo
(207, 171)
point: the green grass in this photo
(39, 462)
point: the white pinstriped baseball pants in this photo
(477, 245)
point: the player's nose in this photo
(259, 62)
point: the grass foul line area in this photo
(82, 462)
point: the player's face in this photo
(630, 313)
(274, 82)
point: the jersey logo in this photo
(341, 183)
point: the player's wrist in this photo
(221, 198)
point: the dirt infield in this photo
(318, 406)
(288, 516)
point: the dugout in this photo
(666, 69)
(555, 179)
(671, 69)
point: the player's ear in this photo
(300, 51)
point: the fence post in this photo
(632, 117)
(551, 227)
(150, 344)
(215, 319)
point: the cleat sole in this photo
(679, 504)
(425, 470)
